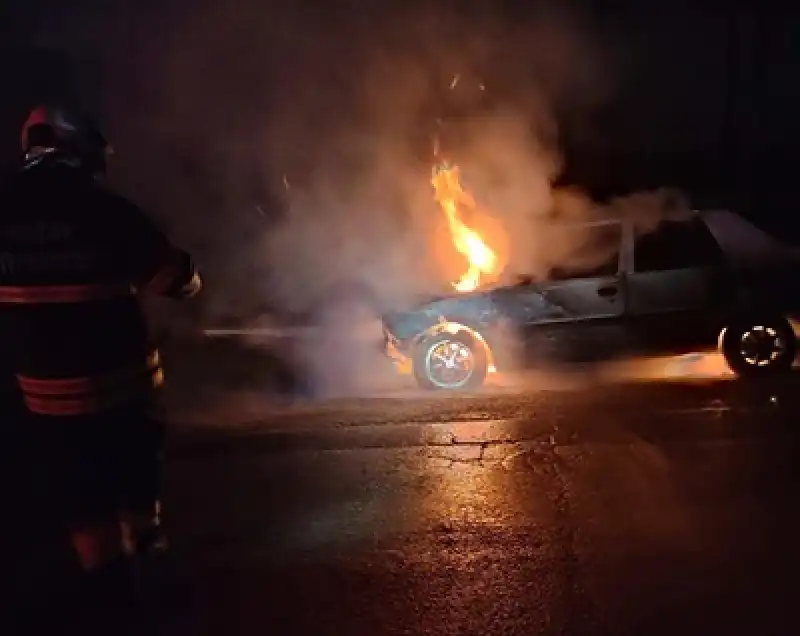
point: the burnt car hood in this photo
(475, 309)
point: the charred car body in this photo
(709, 280)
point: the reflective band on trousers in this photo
(62, 293)
(91, 394)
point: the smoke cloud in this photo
(290, 147)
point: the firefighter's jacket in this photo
(73, 259)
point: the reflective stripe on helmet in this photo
(69, 129)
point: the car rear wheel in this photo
(757, 348)
(450, 362)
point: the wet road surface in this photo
(658, 508)
(644, 509)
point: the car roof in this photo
(741, 240)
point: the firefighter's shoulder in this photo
(126, 219)
(114, 202)
(160, 267)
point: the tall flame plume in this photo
(452, 198)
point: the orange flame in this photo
(451, 197)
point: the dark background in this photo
(707, 100)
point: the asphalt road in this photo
(584, 508)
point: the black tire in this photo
(731, 341)
(480, 362)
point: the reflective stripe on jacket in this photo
(91, 394)
(40, 294)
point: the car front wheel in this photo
(760, 347)
(450, 362)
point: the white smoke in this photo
(293, 157)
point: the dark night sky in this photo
(705, 98)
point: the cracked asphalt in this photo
(628, 508)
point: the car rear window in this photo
(676, 245)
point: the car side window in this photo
(676, 245)
(593, 252)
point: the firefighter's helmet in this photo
(67, 131)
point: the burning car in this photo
(709, 279)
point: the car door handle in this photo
(607, 291)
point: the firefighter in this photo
(74, 259)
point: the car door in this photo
(676, 283)
(580, 302)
